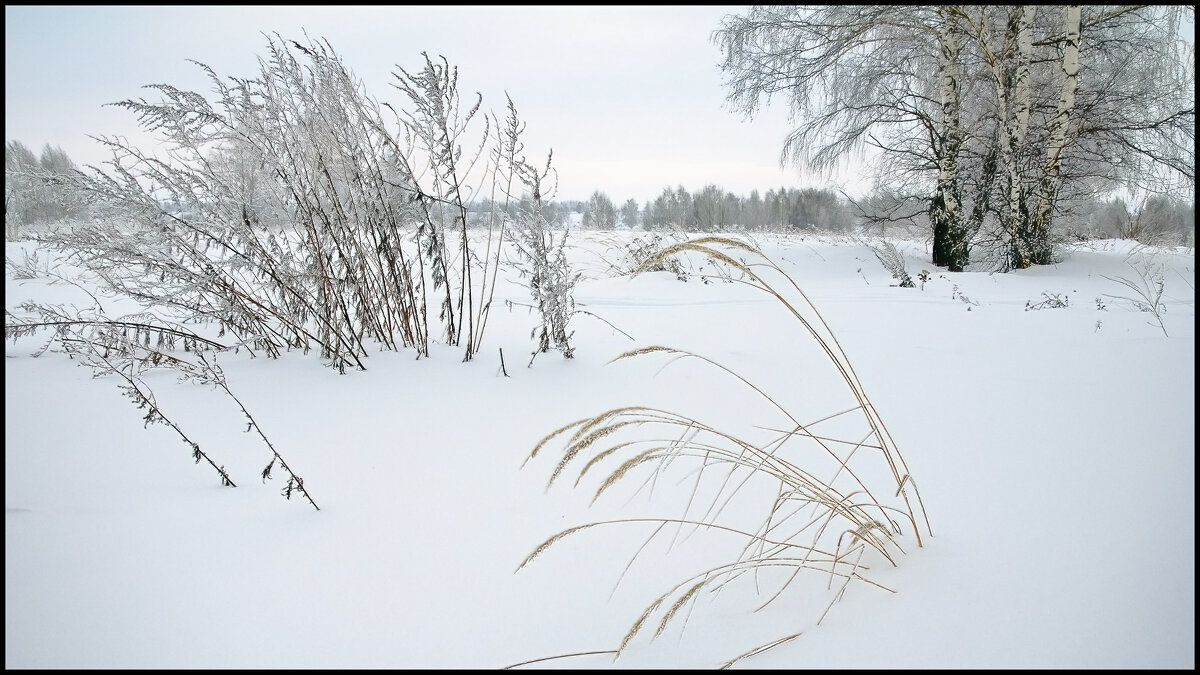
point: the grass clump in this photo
(832, 492)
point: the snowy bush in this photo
(287, 216)
(1147, 288)
(1049, 301)
(543, 255)
(292, 217)
(892, 260)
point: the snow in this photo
(1054, 450)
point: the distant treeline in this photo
(35, 191)
(1154, 218)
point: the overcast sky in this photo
(629, 98)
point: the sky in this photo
(629, 98)
(1052, 446)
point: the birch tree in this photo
(858, 77)
(1132, 127)
(600, 213)
(630, 214)
(1083, 102)
(1113, 110)
(1006, 60)
(950, 232)
(1049, 185)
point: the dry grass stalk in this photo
(811, 523)
(122, 347)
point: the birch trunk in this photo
(1051, 168)
(945, 209)
(1016, 128)
(1009, 68)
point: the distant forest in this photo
(35, 192)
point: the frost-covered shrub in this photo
(1049, 301)
(542, 250)
(297, 212)
(1147, 288)
(893, 261)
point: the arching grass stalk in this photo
(824, 524)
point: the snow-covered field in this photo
(1054, 449)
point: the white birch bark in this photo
(950, 248)
(1009, 67)
(1018, 122)
(1051, 167)
(948, 40)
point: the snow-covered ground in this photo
(1054, 450)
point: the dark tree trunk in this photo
(949, 236)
